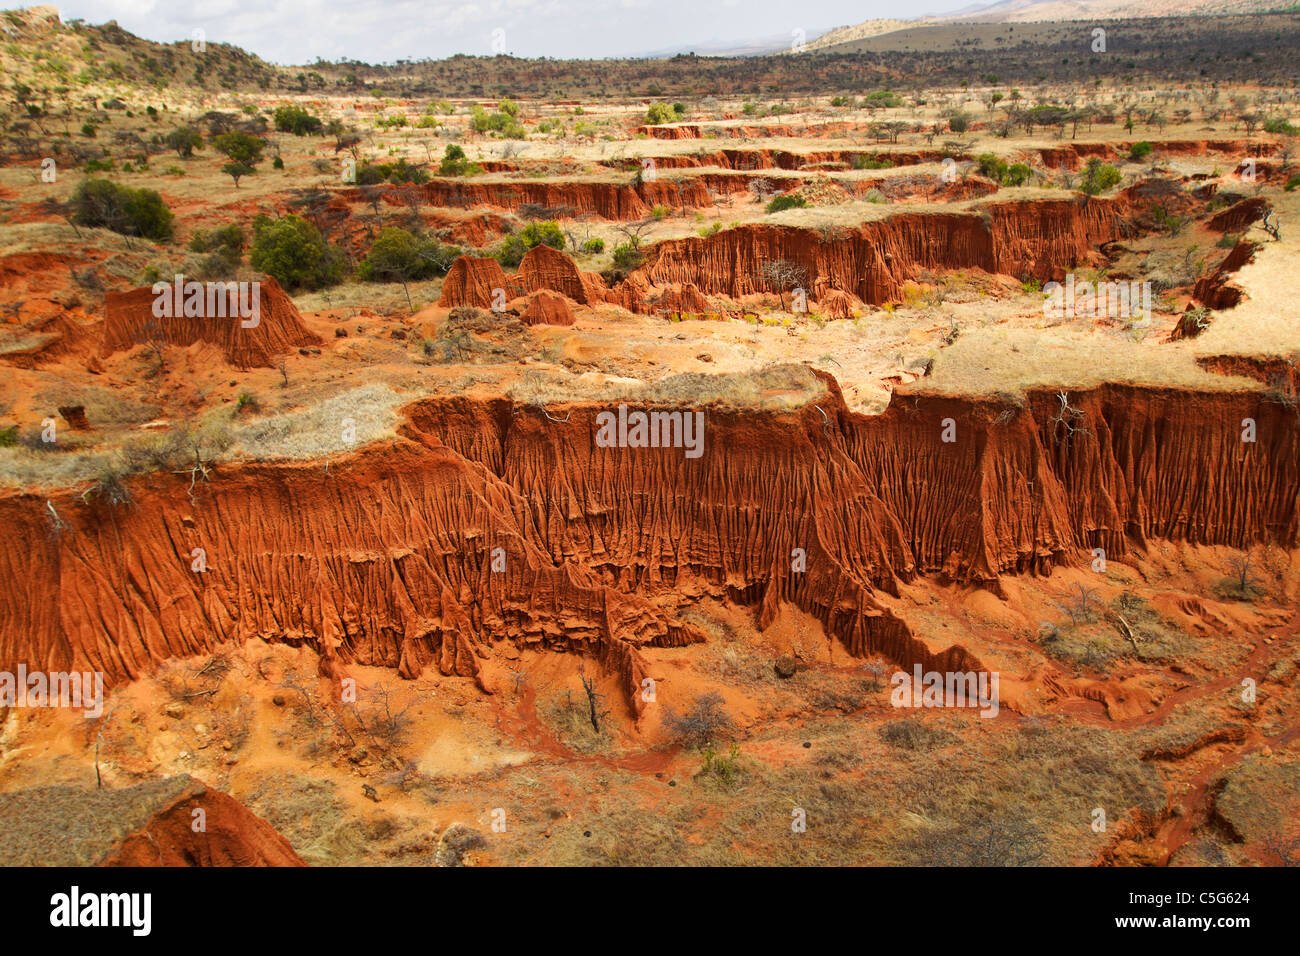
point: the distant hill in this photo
(1044, 11)
(1025, 11)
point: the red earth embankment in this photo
(1217, 290)
(1040, 238)
(172, 821)
(390, 557)
(479, 281)
(752, 159)
(614, 201)
(248, 338)
(1073, 155)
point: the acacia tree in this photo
(782, 275)
(244, 152)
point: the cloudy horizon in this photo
(294, 32)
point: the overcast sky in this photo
(299, 31)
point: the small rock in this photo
(586, 833)
(807, 745)
(200, 728)
(786, 667)
(370, 792)
(340, 333)
(174, 710)
(358, 754)
(704, 357)
(277, 699)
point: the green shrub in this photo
(277, 163)
(594, 246)
(664, 113)
(398, 256)
(1140, 151)
(788, 201)
(1292, 183)
(628, 256)
(296, 120)
(1098, 177)
(504, 123)
(184, 140)
(223, 249)
(511, 250)
(293, 251)
(1017, 174)
(543, 234)
(862, 161)
(131, 212)
(991, 166)
(454, 163)
(398, 173)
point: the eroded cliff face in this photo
(1038, 238)
(488, 522)
(247, 338)
(607, 200)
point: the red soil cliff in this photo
(388, 557)
(130, 321)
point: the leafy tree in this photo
(664, 113)
(293, 251)
(1098, 177)
(237, 171)
(240, 147)
(1017, 174)
(296, 120)
(399, 256)
(184, 140)
(131, 212)
(244, 152)
(454, 163)
(543, 233)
